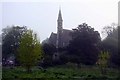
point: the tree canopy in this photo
(110, 43)
(84, 44)
(10, 40)
(30, 51)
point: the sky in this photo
(41, 15)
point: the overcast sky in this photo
(42, 16)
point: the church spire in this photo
(60, 15)
(59, 30)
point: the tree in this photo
(10, 40)
(49, 50)
(30, 51)
(108, 30)
(84, 44)
(110, 43)
(103, 61)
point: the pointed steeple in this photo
(59, 15)
(59, 30)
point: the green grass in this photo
(60, 72)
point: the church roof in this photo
(53, 35)
(53, 38)
(66, 37)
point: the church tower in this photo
(59, 30)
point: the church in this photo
(62, 37)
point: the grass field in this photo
(61, 72)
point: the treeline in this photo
(86, 47)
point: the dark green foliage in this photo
(110, 43)
(10, 40)
(84, 45)
(49, 50)
(60, 72)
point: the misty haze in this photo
(60, 39)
